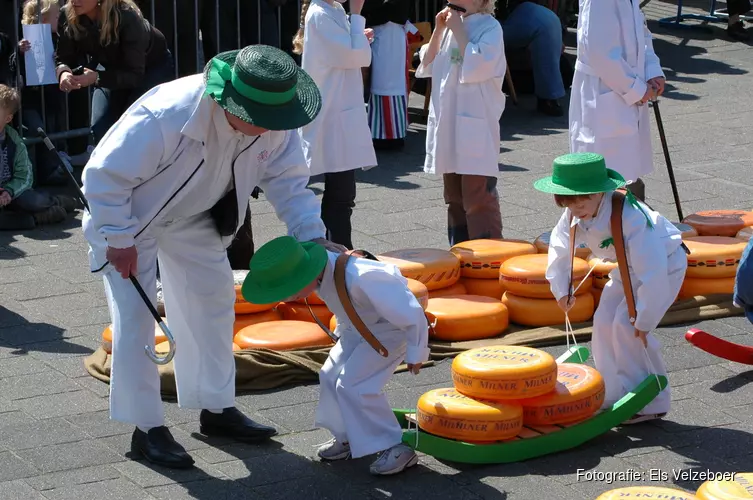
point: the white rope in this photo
(568, 326)
(650, 364)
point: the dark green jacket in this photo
(22, 173)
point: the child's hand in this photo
(24, 45)
(415, 368)
(566, 303)
(356, 6)
(5, 198)
(369, 34)
(454, 21)
(641, 335)
(441, 18)
(658, 84)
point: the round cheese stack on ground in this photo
(601, 271)
(484, 287)
(159, 337)
(241, 305)
(644, 492)
(692, 287)
(687, 230)
(542, 245)
(596, 292)
(545, 312)
(313, 299)
(719, 489)
(434, 268)
(450, 291)
(244, 320)
(578, 394)
(745, 233)
(713, 256)
(420, 291)
(449, 414)
(525, 276)
(282, 336)
(504, 372)
(467, 317)
(300, 312)
(482, 258)
(719, 222)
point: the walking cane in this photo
(660, 126)
(170, 339)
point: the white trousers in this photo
(352, 405)
(619, 355)
(198, 291)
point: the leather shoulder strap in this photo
(618, 203)
(573, 229)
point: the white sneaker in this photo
(334, 450)
(396, 459)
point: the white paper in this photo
(40, 64)
(410, 28)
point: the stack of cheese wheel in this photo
(460, 318)
(434, 268)
(739, 488)
(712, 265)
(480, 261)
(687, 231)
(647, 492)
(242, 306)
(542, 245)
(159, 337)
(282, 335)
(745, 233)
(600, 274)
(719, 222)
(295, 311)
(528, 296)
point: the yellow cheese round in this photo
(692, 287)
(333, 323)
(504, 372)
(450, 291)
(741, 488)
(525, 276)
(596, 292)
(688, 231)
(282, 336)
(745, 233)
(644, 492)
(578, 394)
(300, 312)
(449, 414)
(466, 317)
(312, 299)
(482, 258)
(601, 271)
(236, 347)
(542, 245)
(241, 305)
(719, 222)
(713, 256)
(432, 267)
(244, 320)
(484, 287)
(545, 312)
(159, 336)
(420, 291)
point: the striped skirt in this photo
(388, 116)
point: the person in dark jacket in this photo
(127, 56)
(743, 296)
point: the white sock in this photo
(215, 411)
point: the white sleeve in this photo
(338, 47)
(392, 300)
(653, 65)
(558, 266)
(484, 59)
(285, 184)
(129, 154)
(425, 70)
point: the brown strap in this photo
(618, 202)
(570, 285)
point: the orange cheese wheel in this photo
(525, 276)
(241, 305)
(719, 222)
(693, 287)
(596, 292)
(450, 291)
(333, 323)
(244, 320)
(484, 287)
(420, 291)
(449, 414)
(727, 487)
(545, 312)
(482, 258)
(236, 347)
(294, 311)
(542, 245)
(313, 299)
(162, 347)
(656, 492)
(745, 233)
(578, 394)
(282, 336)
(601, 271)
(504, 372)
(466, 317)
(434, 268)
(687, 230)
(713, 256)
(159, 337)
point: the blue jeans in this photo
(537, 28)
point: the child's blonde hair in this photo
(31, 7)
(110, 19)
(298, 38)
(487, 6)
(10, 99)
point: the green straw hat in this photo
(579, 174)
(263, 86)
(282, 268)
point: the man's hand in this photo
(332, 247)
(566, 303)
(24, 45)
(88, 79)
(69, 82)
(415, 368)
(641, 335)
(369, 34)
(5, 198)
(123, 260)
(658, 84)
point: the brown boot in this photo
(52, 215)
(68, 203)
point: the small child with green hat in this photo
(625, 352)
(352, 405)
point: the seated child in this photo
(744, 282)
(352, 405)
(657, 261)
(22, 207)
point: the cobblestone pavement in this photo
(56, 441)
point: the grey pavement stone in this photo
(59, 457)
(116, 489)
(14, 467)
(62, 405)
(216, 489)
(260, 471)
(72, 478)
(148, 476)
(19, 489)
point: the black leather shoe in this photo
(550, 107)
(159, 447)
(233, 424)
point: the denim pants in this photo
(538, 29)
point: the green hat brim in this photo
(302, 277)
(613, 181)
(298, 112)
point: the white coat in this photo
(388, 60)
(352, 405)
(657, 265)
(140, 178)
(462, 131)
(334, 51)
(615, 60)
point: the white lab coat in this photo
(352, 405)
(615, 60)
(657, 265)
(334, 51)
(159, 155)
(462, 131)
(388, 60)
